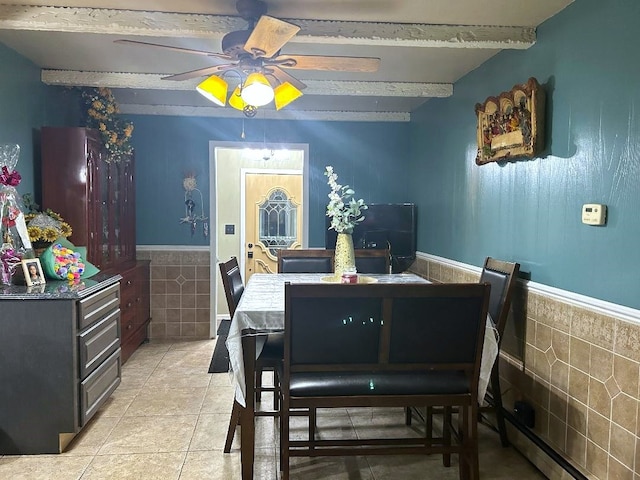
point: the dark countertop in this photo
(59, 289)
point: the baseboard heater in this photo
(551, 453)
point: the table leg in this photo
(247, 416)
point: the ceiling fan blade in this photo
(281, 76)
(201, 72)
(176, 49)
(268, 36)
(336, 64)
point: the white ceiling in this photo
(424, 47)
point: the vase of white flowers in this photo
(345, 213)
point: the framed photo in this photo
(511, 125)
(33, 272)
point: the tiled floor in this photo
(168, 419)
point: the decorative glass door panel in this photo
(278, 222)
(273, 219)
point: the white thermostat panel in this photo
(594, 214)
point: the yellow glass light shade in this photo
(215, 89)
(285, 93)
(257, 90)
(235, 100)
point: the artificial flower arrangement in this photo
(344, 210)
(102, 114)
(68, 264)
(45, 227)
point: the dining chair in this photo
(270, 356)
(339, 353)
(370, 260)
(502, 277)
(307, 260)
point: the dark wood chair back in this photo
(502, 276)
(384, 345)
(369, 260)
(308, 260)
(232, 283)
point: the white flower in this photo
(344, 210)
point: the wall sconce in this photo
(190, 189)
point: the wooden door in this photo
(273, 219)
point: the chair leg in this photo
(407, 416)
(497, 404)
(284, 439)
(446, 434)
(258, 385)
(234, 421)
(276, 391)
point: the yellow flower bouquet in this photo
(45, 227)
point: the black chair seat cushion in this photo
(387, 383)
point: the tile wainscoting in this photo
(577, 361)
(180, 292)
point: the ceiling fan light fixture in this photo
(284, 94)
(214, 89)
(257, 90)
(235, 100)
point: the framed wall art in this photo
(511, 125)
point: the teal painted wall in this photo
(25, 105)
(371, 157)
(587, 59)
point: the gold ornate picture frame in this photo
(511, 125)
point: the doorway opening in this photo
(229, 165)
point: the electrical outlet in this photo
(525, 413)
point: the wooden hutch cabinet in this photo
(97, 199)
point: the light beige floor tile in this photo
(204, 347)
(150, 435)
(167, 401)
(118, 403)
(212, 465)
(138, 466)
(413, 467)
(43, 467)
(185, 361)
(220, 380)
(211, 432)
(218, 400)
(334, 468)
(176, 379)
(92, 436)
(134, 379)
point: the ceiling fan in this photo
(256, 50)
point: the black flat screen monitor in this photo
(385, 225)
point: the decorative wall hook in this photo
(191, 217)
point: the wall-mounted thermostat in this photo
(594, 214)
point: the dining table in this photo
(261, 308)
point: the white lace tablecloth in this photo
(262, 307)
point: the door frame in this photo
(214, 277)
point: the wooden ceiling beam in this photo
(180, 25)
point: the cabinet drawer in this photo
(98, 342)
(98, 386)
(97, 306)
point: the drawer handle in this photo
(129, 282)
(129, 305)
(130, 326)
